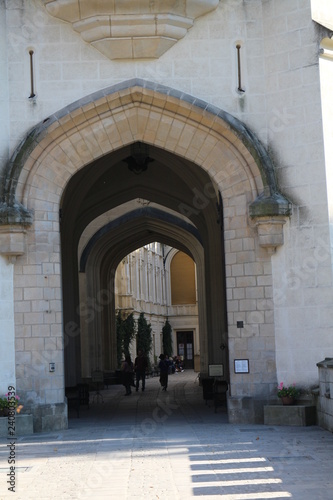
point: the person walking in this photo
(164, 372)
(127, 374)
(140, 368)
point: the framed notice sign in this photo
(215, 370)
(241, 366)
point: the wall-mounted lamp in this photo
(240, 89)
(32, 89)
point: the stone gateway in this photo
(170, 158)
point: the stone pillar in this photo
(7, 328)
(12, 244)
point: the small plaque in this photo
(241, 366)
(215, 370)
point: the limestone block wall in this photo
(203, 64)
(38, 323)
(302, 277)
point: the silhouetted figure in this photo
(164, 371)
(127, 374)
(140, 367)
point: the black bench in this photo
(220, 388)
(214, 389)
(77, 396)
(207, 388)
(110, 378)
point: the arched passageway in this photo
(74, 167)
(107, 185)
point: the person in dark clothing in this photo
(164, 371)
(127, 374)
(140, 367)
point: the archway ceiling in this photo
(145, 228)
(170, 183)
(117, 213)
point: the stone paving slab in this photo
(157, 445)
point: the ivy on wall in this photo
(167, 338)
(125, 327)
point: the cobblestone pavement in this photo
(157, 445)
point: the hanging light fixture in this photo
(139, 159)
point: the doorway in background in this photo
(185, 348)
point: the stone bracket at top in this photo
(322, 13)
(12, 241)
(128, 29)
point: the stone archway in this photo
(114, 243)
(205, 144)
(168, 183)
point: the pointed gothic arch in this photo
(198, 144)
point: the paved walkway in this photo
(154, 445)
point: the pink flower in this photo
(16, 397)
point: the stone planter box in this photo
(298, 415)
(23, 425)
(325, 396)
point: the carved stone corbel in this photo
(270, 231)
(12, 241)
(130, 29)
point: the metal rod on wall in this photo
(240, 89)
(32, 90)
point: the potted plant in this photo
(9, 403)
(3, 407)
(287, 394)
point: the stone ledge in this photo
(23, 425)
(298, 415)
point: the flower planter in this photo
(287, 400)
(22, 425)
(297, 415)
